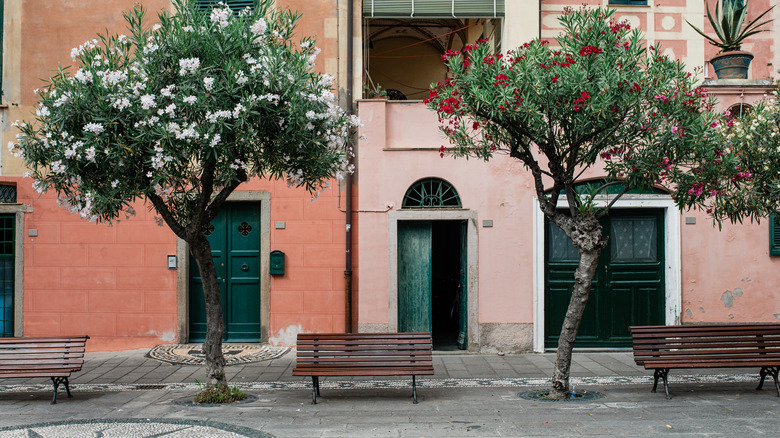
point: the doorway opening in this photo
(432, 292)
(446, 285)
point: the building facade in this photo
(453, 246)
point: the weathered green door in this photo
(415, 270)
(234, 236)
(7, 232)
(629, 285)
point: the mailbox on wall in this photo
(277, 263)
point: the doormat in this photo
(235, 354)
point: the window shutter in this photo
(774, 235)
(235, 5)
(628, 2)
(433, 8)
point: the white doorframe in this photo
(672, 257)
(472, 250)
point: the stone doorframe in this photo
(183, 272)
(18, 210)
(472, 251)
(672, 252)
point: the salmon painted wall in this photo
(112, 283)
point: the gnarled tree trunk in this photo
(585, 233)
(215, 325)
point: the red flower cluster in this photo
(449, 105)
(501, 80)
(587, 50)
(615, 28)
(580, 102)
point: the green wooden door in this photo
(414, 276)
(234, 236)
(629, 285)
(7, 233)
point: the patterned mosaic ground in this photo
(235, 354)
(305, 383)
(146, 428)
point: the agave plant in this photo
(728, 24)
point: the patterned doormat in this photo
(235, 354)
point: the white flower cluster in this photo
(188, 65)
(112, 78)
(83, 76)
(220, 14)
(159, 159)
(94, 128)
(258, 28)
(147, 102)
(89, 45)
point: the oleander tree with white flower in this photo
(181, 113)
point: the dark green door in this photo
(7, 244)
(415, 270)
(629, 285)
(234, 236)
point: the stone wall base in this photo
(506, 338)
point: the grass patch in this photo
(219, 394)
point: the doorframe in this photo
(672, 255)
(18, 210)
(183, 272)
(472, 251)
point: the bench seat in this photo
(363, 354)
(53, 357)
(662, 348)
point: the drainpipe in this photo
(350, 160)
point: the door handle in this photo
(244, 267)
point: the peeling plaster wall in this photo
(728, 275)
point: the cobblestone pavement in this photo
(125, 394)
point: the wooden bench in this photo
(363, 354)
(54, 357)
(662, 348)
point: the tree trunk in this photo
(587, 238)
(215, 325)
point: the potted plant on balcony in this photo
(728, 22)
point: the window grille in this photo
(7, 193)
(431, 193)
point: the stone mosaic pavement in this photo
(126, 394)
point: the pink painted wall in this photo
(401, 145)
(386, 168)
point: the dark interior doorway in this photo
(446, 288)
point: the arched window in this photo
(740, 109)
(431, 193)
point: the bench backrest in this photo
(334, 350)
(715, 341)
(49, 354)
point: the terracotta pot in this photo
(732, 65)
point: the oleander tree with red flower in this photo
(598, 96)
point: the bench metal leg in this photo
(662, 373)
(772, 371)
(56, 381)
(414, 388)
(315, 389)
